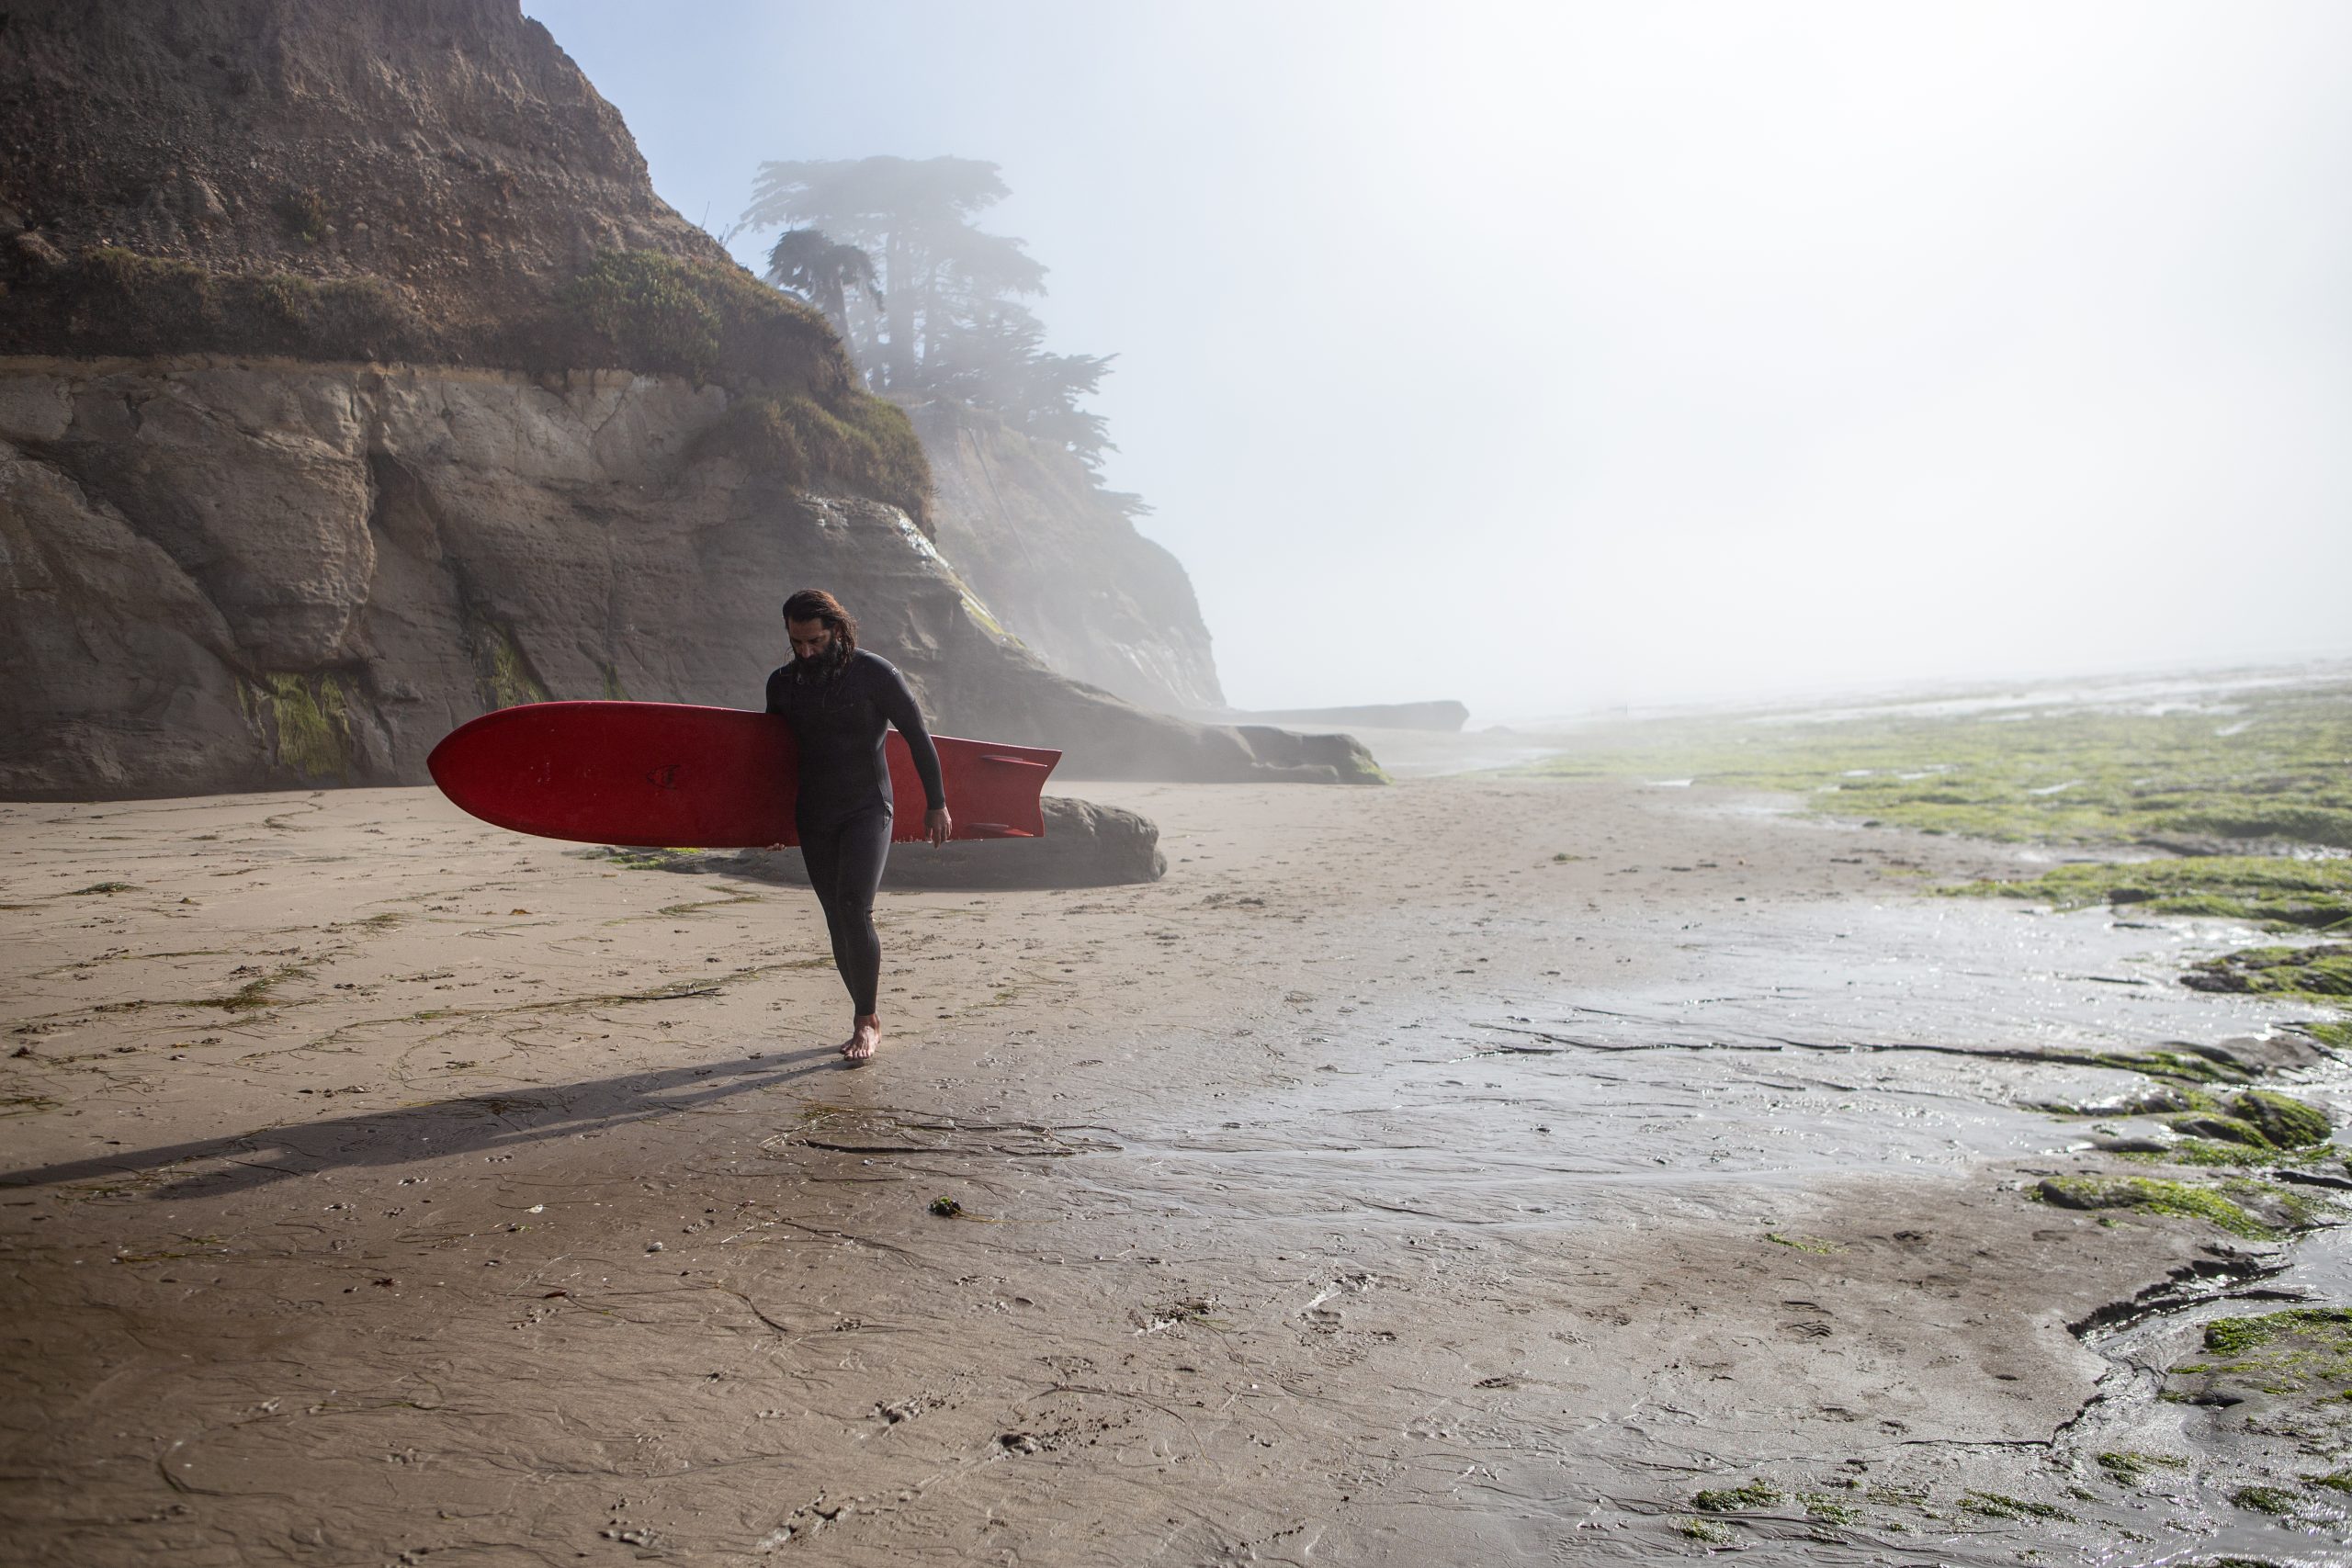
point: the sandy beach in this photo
(1474, 1169)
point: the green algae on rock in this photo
(2324, 970)
(2238, 1335)
(2286, 1121)
(2130, 1467)
(2178, 1066)
(2258, 1211)
(2267, 890)
(2225, 1129)
(2303, 1353)
(1802, 1243)
(2256, 1126)
(2203, 1151)
(1997, 1506)
(2335, 1034)
(1758, 1492)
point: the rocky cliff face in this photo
(1062, 566)
(224, 577)
(241, 545)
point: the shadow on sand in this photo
(469, 1124)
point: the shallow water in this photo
(1727, 1090)
(1780, 1051)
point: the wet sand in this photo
(1376, 1188)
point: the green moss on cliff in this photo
(657, 312)
(113, 300)
(802, 418)
(307, 719)
(861, 443)
(502, 669)
(704, 319)
(304, 214)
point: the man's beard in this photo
(823, 664)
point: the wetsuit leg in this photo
(845, 860)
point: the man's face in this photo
(812, 640)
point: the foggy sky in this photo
(1552, 357)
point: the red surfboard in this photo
(666, 775)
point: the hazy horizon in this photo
(1554, 358)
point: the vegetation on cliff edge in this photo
(111, 301)
(864, 441)
(809, 421)
(801, 415)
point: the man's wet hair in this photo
(815, 604)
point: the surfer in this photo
(839, 698)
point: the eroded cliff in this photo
(230, 576)
(1061, 563)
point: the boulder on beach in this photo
(1086, 845)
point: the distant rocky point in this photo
(1448, 716)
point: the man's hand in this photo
(937, 825)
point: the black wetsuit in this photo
(839, 719)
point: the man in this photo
(839, 700)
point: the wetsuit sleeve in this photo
(898, 705)
(774, 677)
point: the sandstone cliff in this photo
(354, 381)
(226, 576)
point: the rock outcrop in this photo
(355, 381)
(1447, 716)
(1086, 845)
(1061, 563)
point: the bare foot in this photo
(860, 1045)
